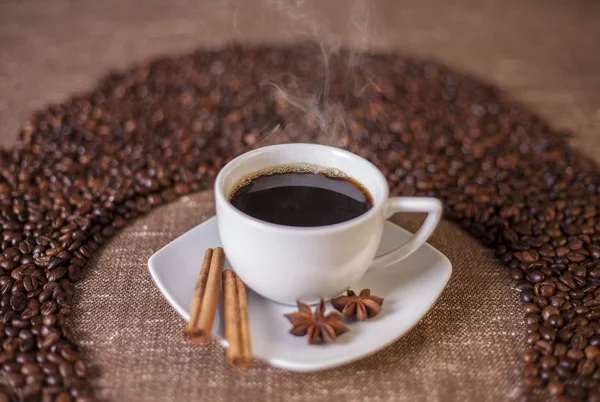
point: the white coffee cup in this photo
(286, 263)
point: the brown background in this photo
(543, 53)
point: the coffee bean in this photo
(55, 263)
(548, 362)
(542, 302)
(547, 290)
(48, 307)
(69, 355)
(532, 338)
(54, 358)
(53, 379)
(63, 397)
(548, 333)
(560, 349)
(80, 369)
(515, 274)
(592, 352)
(531, 328)
(30, 369)
(18, 302)
(544, 347)
(575, 354)
(74, 272)
(533, 382)
(586, 367)
(527, 295)
(51, 339)
(531, 318)
(531, 308)
(555, 320)
(579, 341)
(56, 274)
(549, 311)
(575, 391)
(49, 320)
(556, 388)
(535, 276)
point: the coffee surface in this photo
(302, 199)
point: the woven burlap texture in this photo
(544, 53)
(466, 348)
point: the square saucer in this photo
(409, 287)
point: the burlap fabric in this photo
(467, 348)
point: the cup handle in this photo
(433, 208)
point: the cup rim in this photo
(223, 201)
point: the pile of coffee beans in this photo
(83, 169)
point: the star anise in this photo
(319, 327)
(363, 306)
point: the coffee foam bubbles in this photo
(333, 173)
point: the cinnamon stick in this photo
(244, 324)
(202, 329)
(191, 330)
(236, 321)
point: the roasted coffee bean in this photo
(56, 274)
(556, 388)
(575, 391)
(579, 341)
(531, 318)
(549, 311)
(592, 352)
(74, 272)
(532, 338)
(560, 349)
(527, 295)
(575, 354)
(25, 358)
(63, 299)
(548, 362)
(533, 382)
(544, 347)
(535, 276)
(55, 263)
(50, 340)
(15, 380)
(48, 307)
(542, 302)
(532, 328)
(30, 369)
(44, 296)
(63, 397)
(65, 370)
(54, 358)
(49, 320)
(586, 367)
(18, 302)
(31, 310)
(515, 274)
(69, 355)
(548, 333)
(53, 379)
(49, 368)
(29, 284)
(555, 320)
(80, 369)
(531, 308)
(11, 332)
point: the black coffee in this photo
(301, 198)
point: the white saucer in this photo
(410, 288)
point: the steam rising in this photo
(318, 111)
